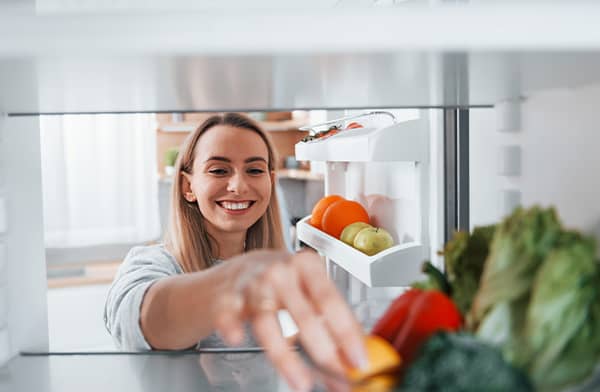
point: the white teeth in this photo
(235, 206)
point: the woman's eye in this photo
(255, 171)
(218, 172)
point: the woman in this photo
(223, 265)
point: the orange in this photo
(320, 207)
(381, 357)
(340, 214)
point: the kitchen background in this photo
(107, 181)
(110, 188)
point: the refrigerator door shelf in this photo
(404, 141)
(399, 265)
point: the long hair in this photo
(186, 236)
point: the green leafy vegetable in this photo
(520, 244)
(562, 327)
(464, 258)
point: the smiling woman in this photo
(223, 167)
(224, 266)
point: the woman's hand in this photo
(264, 282)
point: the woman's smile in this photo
(235, 207)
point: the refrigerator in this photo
(503, 118)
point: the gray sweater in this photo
(143, 266)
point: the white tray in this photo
(404, 141)
(399, 265)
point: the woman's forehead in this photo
(230, 142)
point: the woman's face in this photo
(231, 180)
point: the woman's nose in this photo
(237, 184)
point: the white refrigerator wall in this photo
(551, 157)
(23, 307)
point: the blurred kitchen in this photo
(107, 182)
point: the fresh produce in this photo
(436, 280)
(561, 342)
(539, 299)
(381, 357)
(353, 125)
(431, 311)
(372, 240)
(319, 209)
(413, 317)
(350, 232)
(322, 134)
(340, 214)
(394, 317)
(520, 244)
(464, 258)
(459, 362)
(534, 294)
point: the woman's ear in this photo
(186, 187)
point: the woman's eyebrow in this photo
(222, 159)
(254, 159)
(247, 160)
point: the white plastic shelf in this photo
(404, 141)
(399, 265)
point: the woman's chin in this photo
(240, 225)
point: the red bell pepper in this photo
(431, 311)
(396, 314)
(413, 317)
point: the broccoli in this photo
(459, 362)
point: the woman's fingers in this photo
(288, 363)
(328, 330)
(339, 319)
(313, 333)
(229, 318)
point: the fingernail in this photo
(358, 356)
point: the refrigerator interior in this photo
(531, 105)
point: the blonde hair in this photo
(186, 236)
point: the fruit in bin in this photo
(350, 232)
(330, 132)
(322, 134)
(342, 213)
(320, 207)
(381, 358)
(372, 240)
(354, 125)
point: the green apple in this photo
(350, 231)
(372, 240)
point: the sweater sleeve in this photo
(142, 267)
